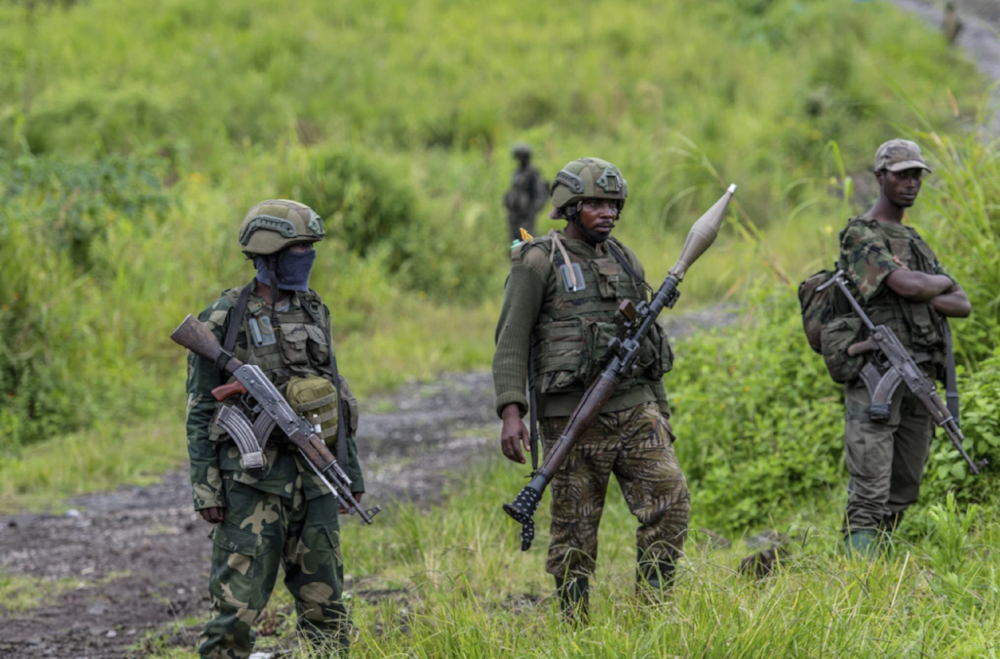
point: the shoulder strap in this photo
(619, 255)
(950, 379)
(235, 321)
(344, 411)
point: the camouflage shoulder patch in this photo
(865, 258)
(214, 315)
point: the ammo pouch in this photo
(315, 398)
(837, 336)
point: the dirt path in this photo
(138, 557)
(978, 38)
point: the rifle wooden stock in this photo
(197, 338)
(228, 391)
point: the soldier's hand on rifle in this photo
(213, 515)
(514, 431)
(357, 497)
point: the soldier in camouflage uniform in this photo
(563, 292)
(527, 195)
(900, 283)
(283, 516)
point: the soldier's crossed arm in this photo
(867, 260)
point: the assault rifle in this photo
(623, 352)
(274, 410)
(895, 366)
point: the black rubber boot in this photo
(574, 599)
(654, 579)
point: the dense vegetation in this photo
(133, 140)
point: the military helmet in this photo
(521, 150)
(273, 225)
(587, 178)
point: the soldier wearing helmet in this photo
(281, 514)
(527, 194)
(559, 312)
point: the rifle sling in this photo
(343, 411)
(237, 319)
(532, 406)
(626, 266)
(950, 379)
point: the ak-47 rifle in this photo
(251, 380)
(623, 353)
(895, 366)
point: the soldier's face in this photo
(902, 188)
(599, 215)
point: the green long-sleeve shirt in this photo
(215, 461)
(530, 288)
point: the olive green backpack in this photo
(830, 326)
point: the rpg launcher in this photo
(623, 352)
(251, 381)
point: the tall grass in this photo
(135, 138)
(452, 582)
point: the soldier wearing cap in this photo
(281, 515)
(559, 306)
(527, 195)
(900, 283)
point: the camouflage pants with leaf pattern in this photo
(261, 532)
(636, 445)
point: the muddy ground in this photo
(139, 556)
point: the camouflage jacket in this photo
(528, 192)
(572, 330)
(302, 349)
(866, 250)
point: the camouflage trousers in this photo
(516, 222)
(261, 532)
(885, 460)
(636, 445)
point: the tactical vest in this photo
(299, 345)
(917, 324)
(573, 331)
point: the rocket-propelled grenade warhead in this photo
(702, 234)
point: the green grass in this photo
(19, 594)
(133, 141)
(451, 581)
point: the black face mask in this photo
(592, 236)
(293, 270)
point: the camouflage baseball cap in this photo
(273, 225)
(587, 178)
(897, 155)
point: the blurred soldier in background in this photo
(560, 309)
(527, 194)
(281, 516)
(952, 24)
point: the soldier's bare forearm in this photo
(917, 286)
(953, 304)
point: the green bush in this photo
(363, 202)
(759, 422)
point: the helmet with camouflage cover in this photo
(521, 150)
(273, 225)
(587, 178)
